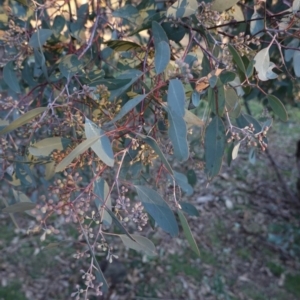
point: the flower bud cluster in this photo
(206, 16)
(184, 70)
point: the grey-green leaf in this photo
(70, 65)
(39, 38)
(10, 78)
(159, 35)
(158, 209)
(102, 147)
(101, 191)
(176, 97)
(162, 56)
(76, 152)
(237, 58)
(214, 147)
(277, 107)
(140, 244)
(222, 5)
(46, 146)
(296, 63)
(182, 8)
(127, 107)
(187, 232)
(257, 25)
(182, 181)
(189, 208)
(24, 119)
(178, 135)
(153, 144)
(19, 207)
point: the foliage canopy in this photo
(100, 102)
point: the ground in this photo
(248, 233)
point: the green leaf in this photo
(214, 147)
(191, 119)
(120, 45)
(213, 81)
(296, 63)
(131, 74)
(192, 177)
(59, 24)
(178, 135)
(196, 98)
(289, 53)
(162, 56)
(159, 35)
(237, 58)
(187, 232)
(141, 244)
(189, 208)
(24, 119)
(227, 77)
(10, 78)
(182, 181)
(278, 107)
(175, 34)
(158, 209)
(216, 98)
(222, 5)
(70, 65)
(102, 147)
(250, 69)
(76, 152)
(182, 8)
(232, 103)
(229, 153)
(257, 25)
(127, 107)
(46, 146)
(101, 191)
(263, 65)
(176, 97)
(39, 38)
(19, 207)
(153, 144)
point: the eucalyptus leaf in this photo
(222, 5)
(296, 63)
(178, 135)
(263, 65)
(189, 208)
(82, 147)
(158, 209)
(19, 207)
(278, 107)
(187, 232)
(24, 119)
(214, 145)
(182, 8)
(39, 38)
(162, 56)
(10, 78)
(46, 146)
(176, 97)
(237, 58)
(101, 191)
(127, 107)
(153, 144)
(102, 146)
(140, 244)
